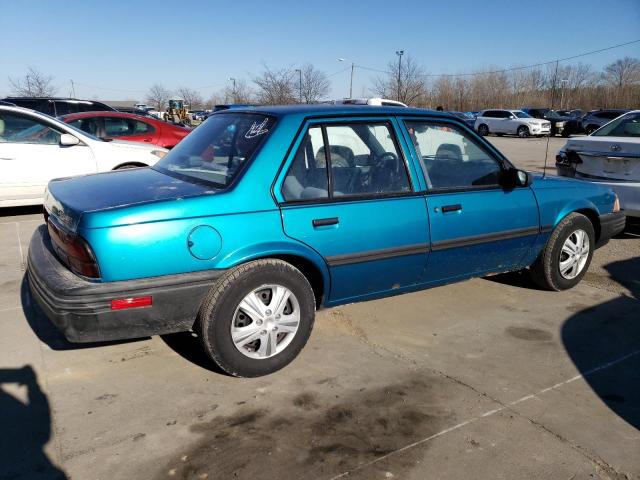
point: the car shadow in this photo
(187, 345)
(25, 423)
(47, 332)
(603, 341)
(18, 211)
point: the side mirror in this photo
(68, 140)
(514, 177)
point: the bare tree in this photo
(412, 89)
(275, 87)
(33, 84)
(191, 97)
(314, 85)
(158, 96)
(238, 92)
(622, 72)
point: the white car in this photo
(36, 148)
(375, 101)
(609, 156)
(514, 122)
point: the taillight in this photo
(73, 251)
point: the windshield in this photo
(626, 126)
(217, 150)
(521, 114)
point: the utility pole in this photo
(399, 53)
(73, 89)
(299, 70)
(353, 66)
(233, 80)
(29, 85)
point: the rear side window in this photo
(89, 125)
(125, 127)
(364, 160)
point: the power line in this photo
(504, 70)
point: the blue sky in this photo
(125, 46)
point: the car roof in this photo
(322, 109)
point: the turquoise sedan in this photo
(262, 215)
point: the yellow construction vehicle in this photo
(177, 113)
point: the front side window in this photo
(626, 126)
(87, 125)
(125, 127)
(217, 150)
(450, 158)
(20, 129)
(307, 177)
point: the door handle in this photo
(451, 208)
(323, 222)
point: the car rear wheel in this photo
(257, 318)
(483, 130)
(567, 254)
(523, 131)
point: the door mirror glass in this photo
(513, 177)
(68, 140)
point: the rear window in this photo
(625, 126)
(217, 150)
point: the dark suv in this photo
(564, 125)
(57, 107)
(597, 118)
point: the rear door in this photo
(476, 225)
(129, 129)
(348, 193)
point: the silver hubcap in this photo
(265, 321)
(574, 254)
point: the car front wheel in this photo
(567, 254)
(523, 132)
(483, 130)
(257, 318)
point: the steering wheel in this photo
(388, 158)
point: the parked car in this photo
(127, 126)
(511, 122)
(574, 112)
(597, 118)
(35, 148)
(610, 156)
(262, 215)
(466, 117)
(57, 107)
(564, 125)
(375, 101)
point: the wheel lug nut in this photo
(263, 332)
(278, 317)
(275, 329)
(258, 322)
(268, 312)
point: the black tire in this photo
(565, 134)
(483, 129)
(499, 134)
(523, 131)
(545, 271)
(220, 305)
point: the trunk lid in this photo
(68, 198)
(614, 158)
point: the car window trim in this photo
(341, 120)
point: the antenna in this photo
(553, 95)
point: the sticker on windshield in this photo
(257, 129)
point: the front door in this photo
(348, 194)
(31, 155)
(476, 225)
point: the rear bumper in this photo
(611, 224)
(81, 310)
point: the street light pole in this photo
(399, 53)
(565, 81)
(299, 70)
(233, 80)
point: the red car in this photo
(127, 126)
